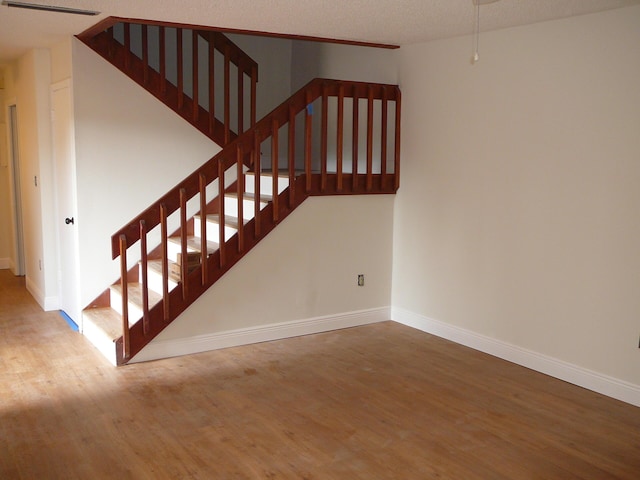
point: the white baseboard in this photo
(264, 333)
(46, 303)
(597, 382)
(5, 263)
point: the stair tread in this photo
(283, 172)
(156, 266)
(229, 220)
(134, 290)
(251, 196)
(106, 319)
(193, 244)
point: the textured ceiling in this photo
(395, 22)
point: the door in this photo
(66, 204)
(18, 239)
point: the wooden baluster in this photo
(145, 54)
(110, 34)
(396, 171)
(163, 60)
(257, 172)
(240, 101)
(254, 82)
(370, 139)
(195, 66)
(145, 276)
(292, 156)
(383, 139)
(221, 223)
(275, 168)
(184, 261)
(204, 250)
(240, 199)
(164, 260)
(354, 147)
(125, 296)
(323, 139)
(307, 142)
(180, 67)
(227, 94)
(340, 135)
(212, 83)
(127, 45)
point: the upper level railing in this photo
(330, 138)
(200, 74)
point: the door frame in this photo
(15, 190)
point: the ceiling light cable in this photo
(476, 39)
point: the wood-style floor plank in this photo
(377, 402)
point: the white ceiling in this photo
(395, 22)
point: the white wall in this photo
(28, 85)
(518, 212)
(342, 62)
(130, 150)
(273, 56)
(306, 268)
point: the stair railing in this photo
(339, 155)
(201, 74)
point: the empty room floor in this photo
(382, 401)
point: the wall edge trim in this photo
(158, 349)
(46, 303)
(568, 372)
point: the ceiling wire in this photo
(476, 37)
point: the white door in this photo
(66, 204)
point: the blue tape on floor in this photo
(67, 318)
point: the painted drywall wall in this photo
(273, 56)
(130, 150)
(518, 215)
(306, 268)
(342, 62)
(29, 88)
(61, 60)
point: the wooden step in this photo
(251, 196)
(156, 267)
(134, 294)
(193, 244)
(104, 319)
(229, 221)
(134, 300)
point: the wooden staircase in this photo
(171, 253)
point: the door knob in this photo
(68, 221)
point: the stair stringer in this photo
(179, 302)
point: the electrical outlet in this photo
(361, 280)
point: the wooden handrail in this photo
(298, 102)
(154, 78)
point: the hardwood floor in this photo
(376, 402)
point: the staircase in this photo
(182, 244)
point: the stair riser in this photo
(213, 231)
(266, 184)
(154, 280)
(135, 312)
(173, 249)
